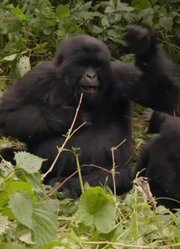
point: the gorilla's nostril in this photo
(91, 75)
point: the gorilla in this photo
(40, 108)
(158, 87)
(160, 161)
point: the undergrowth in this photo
(32, 217)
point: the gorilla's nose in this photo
(90, 75)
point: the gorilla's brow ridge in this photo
(83, 43)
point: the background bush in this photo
(30, 30)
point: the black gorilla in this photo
(160, 159)
(158, 86)
(40, 107)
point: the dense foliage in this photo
(35, 216)
(31, 30)
(32, 216)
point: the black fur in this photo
(154, 81)
(161, 160)
(40, 108)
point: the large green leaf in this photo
(15, 186)
(30, 163)
(18, 13)
(21, 207)
(97, 208)
(45, 224)
(62, 11)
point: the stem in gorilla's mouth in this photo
(89, 89)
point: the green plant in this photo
(27, 215)
(31, 30)
(31, 217)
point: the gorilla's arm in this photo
(30, 108)
(72, 189)
(153, 80)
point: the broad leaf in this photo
(36, 183)
(62, 11)
(26, 237)
(45, 224)
(21, 207)
(97, 208)
(18, 13)
(15, 186)
(30, 163)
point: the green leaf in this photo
(109, 10)
(147, 15)
(30, 163)
(54, 245)
(11, 246)
(123, 7)
(62, 11)
(26, 237)
(134, 224)
(139, 4)
(105, 22)
(3, 223)
(21, 207)
(18, 13)
(4, 199)
(2, 86)
(36, 183)
(14, 186)
(97, 208)
(166, 22)
(45, 224)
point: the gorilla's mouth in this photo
(89, 89)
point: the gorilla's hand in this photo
(140, 38)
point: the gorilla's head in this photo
(83, 66)
(161, 122)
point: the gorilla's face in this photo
(83, 65)
(89, 82)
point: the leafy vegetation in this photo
(31, 30)
(32, 216)
(35, 216)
